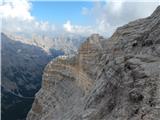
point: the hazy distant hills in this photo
(67, 43)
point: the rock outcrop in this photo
(65, 83)
(114, 79)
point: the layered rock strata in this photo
(116, 79)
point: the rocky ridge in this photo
(114, 79)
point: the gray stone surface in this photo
(116, 79)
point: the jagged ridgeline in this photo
(114, 79)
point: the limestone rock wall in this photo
(116, 79)
(65, 85)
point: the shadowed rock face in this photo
(22, 68)
(117, 79)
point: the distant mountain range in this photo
(66, 43)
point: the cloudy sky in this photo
(75, 17)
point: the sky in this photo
(59, 12)
(72, 17)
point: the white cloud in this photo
(77, 29)
(16, 17)
(108, 15)
(68, 27)
(105, 17)
(17, 9)
(116, 6)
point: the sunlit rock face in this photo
(114, 79)
(66, 82)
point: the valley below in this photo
(22, 68)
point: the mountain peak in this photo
(95, 38)
(156, 13)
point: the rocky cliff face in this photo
(117, 79)
(65, 83)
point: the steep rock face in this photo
(65, 83)
(122, 78)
